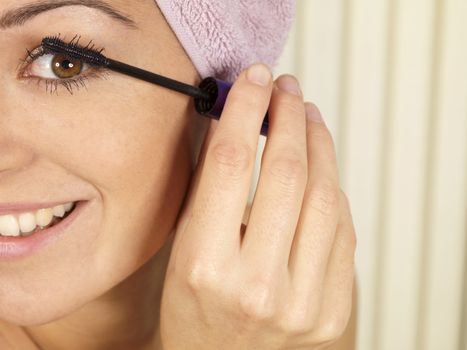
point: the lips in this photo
(19, 247)
(27, 222)
(54, 222)
(17, 208)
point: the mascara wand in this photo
(209, 97)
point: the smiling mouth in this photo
(27, 224)
(54, 222)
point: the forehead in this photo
(138, 7)
(117, 3)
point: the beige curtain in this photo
(391, 80)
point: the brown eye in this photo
(65, 67)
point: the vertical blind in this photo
(390, 77)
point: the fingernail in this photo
(259, 74)
(312, 113)
(290, 84)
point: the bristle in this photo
(73, 50)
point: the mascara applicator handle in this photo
(213, 107)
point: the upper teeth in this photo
(14, 225)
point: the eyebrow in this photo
(19, 16)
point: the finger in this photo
(336, 304)
(246, 214)
(223, 189)
(319, 216)
(194, 182)
(281, 185)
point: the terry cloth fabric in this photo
(223, 37)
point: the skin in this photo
(130, 152)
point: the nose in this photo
(13, 156)
(14, 152)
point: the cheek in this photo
(113, 140)
(138, 158)
(138, 161)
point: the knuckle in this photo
(321, 135)
(351, 236)
(296, 321)
(256, 302)
(324, 198)
(201, 276)
(289, 171)
(246, 99)
(290, 104)
(344, 199)
(352, 241)
(347, 243)
(329, 332)
(232, 158)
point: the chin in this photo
(30, 313)
(38, 303)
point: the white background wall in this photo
(390, 77)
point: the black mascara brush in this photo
(209, 96)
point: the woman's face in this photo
(122, 145)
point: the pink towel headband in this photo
(223, 37)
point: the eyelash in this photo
(51, 85)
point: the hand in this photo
(283, 281)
